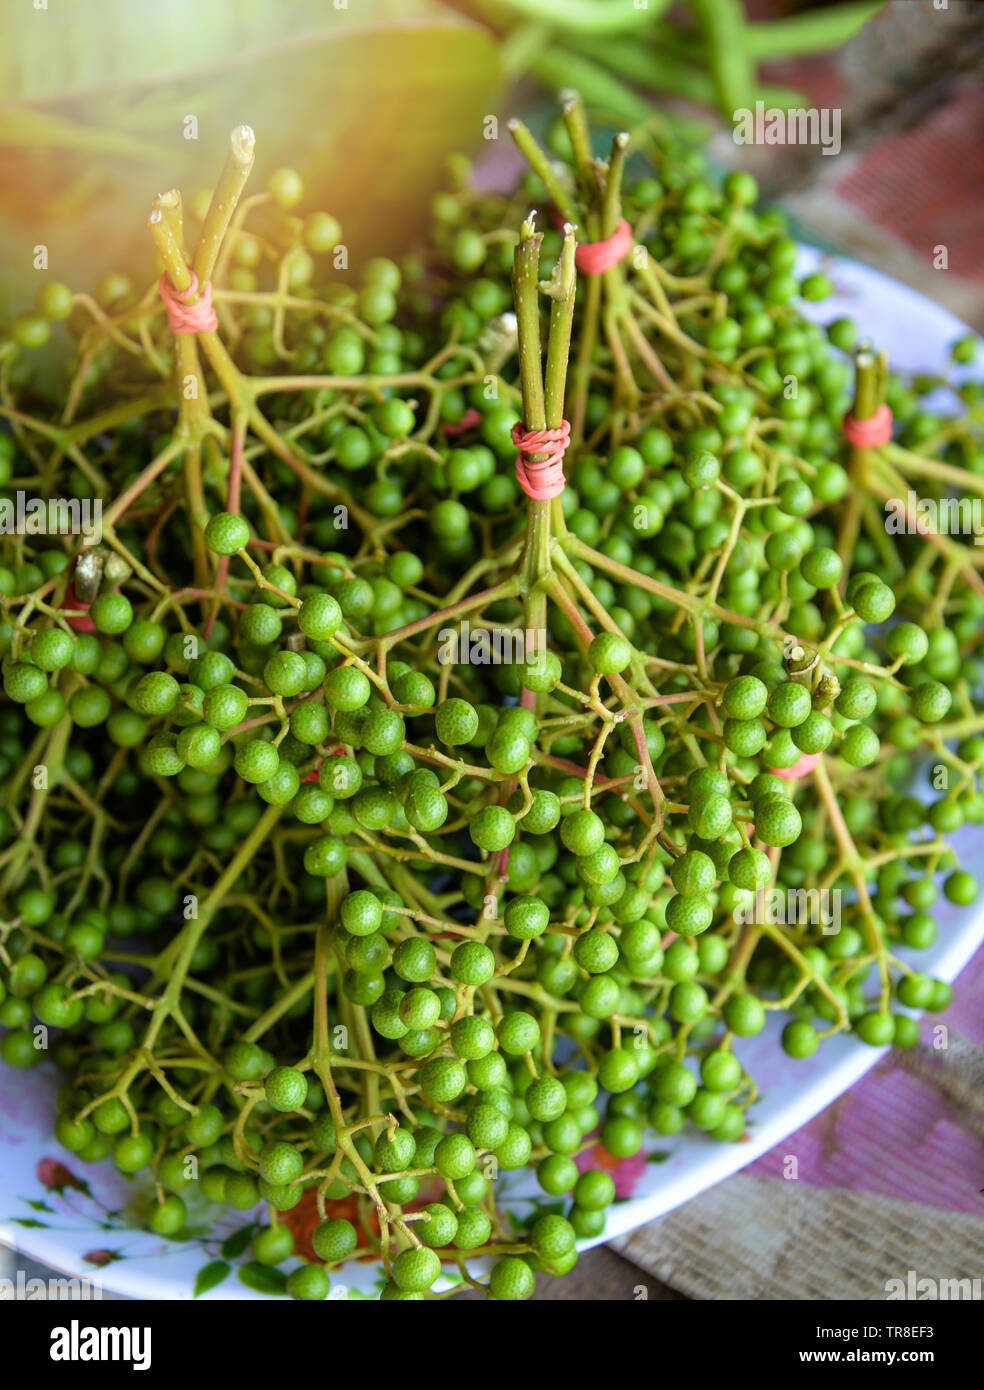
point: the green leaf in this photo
(815, 31)
(511, 1220)
(236, 1243)
(102, 1257)
(609, 100)
(541, 1209)
(94, 103)
(30, 1223)
(119, 42)
(588, 16)
(262, 1279)
(40, 1206)
(210, 1276)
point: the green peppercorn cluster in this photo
(340, 908)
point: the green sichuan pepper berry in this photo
(857, 699)
(24, 683)
(155, 693)
(260, 623)
(361, 912)
(273, 1245)
(226, 533)
(472, 963)
(420, 1009)
(518, 1033)
(931, 702)
(745, 697)
(347, 688)
(859, 746)
(693, 873)
(455, 1156)
(609, 653)
(280, 1164)
(256, 761)
(493, 828)
(907, 642)
(319, 617)
(472, 1038)
(245, 1062)
(225, 706)
(456, 722)
(205, 1126)
(112, 613)
(416, 1270)
(582, 832)
(596, 951)
(334, 1240)
(700, 469)
(383, 732)
(777, 821)
(709, 815)
(309, 1283)
(52, 650)
(526, 917)
(789, 704)
(799, 1039)
(199, 745)
(285, 674)
(285, 1088)
(873, 602)
(821, 567)
(442, 1079)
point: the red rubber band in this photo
(183, 317)
(468, 421)
(80, 621)
(870, 433)
(541, 479)
(803, 765)
(595, 257)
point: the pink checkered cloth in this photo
(912, 1128)
(886, 1192)
(925, 185)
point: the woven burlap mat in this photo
(762, 1238)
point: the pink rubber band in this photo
(541, 479)
(803, 765)
(595, 257)
(468, 421)
(870, 433)
(183, 317)
(80, 621)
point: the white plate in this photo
(917, 334)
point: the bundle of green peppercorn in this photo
(370, 828)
